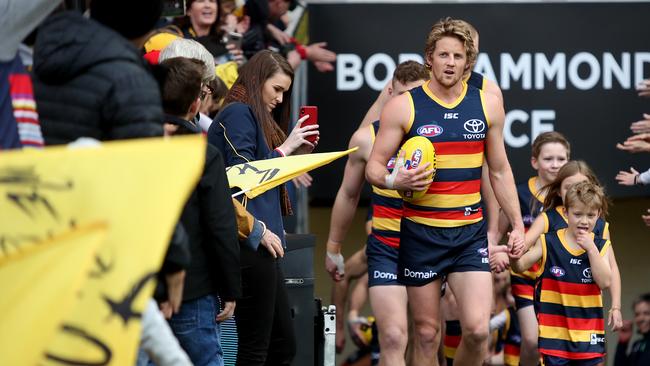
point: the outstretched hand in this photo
(642, 126)
(627, 178)
(636, 143)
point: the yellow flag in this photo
(259, 176)
(139, 188)
(40, 282)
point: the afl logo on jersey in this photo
(429, 130)
(528, 220)
(557, 271)
(483, 252)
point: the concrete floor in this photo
(630, 238)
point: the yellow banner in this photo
(138, 188)
(259, 176)
(39, 288)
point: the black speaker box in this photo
(298, 269)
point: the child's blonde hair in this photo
(587, 193)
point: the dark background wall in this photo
(602, 49)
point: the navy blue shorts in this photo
(560, 361)
(427, 253)
(382, 263)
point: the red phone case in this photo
(312, 111)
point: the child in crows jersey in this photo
(575, 267)
(550, 151)
(554, 219)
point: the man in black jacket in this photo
(208, 218)
(90, 79)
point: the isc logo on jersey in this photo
(429, 130)
(418, 150)
(476, 129)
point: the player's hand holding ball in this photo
(414, 168)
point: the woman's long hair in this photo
(553, 190)
(248, 89)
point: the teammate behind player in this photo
(443, 233)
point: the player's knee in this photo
(427, 335)
(393, 338)
(476, 334)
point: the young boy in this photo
(574, 269)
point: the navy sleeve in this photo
(240, 138)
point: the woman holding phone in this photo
(251, 127)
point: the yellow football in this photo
(418, 150)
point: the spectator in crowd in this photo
(251, 127)
(250, 229)
(89, 77)
(209, 219)
(188, 48)
(265, 18)
(19, 125)
(640, 352)
(202, 22)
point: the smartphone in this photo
(234, 38)
(312, 111)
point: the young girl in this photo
(575, 266)
(550, 151)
